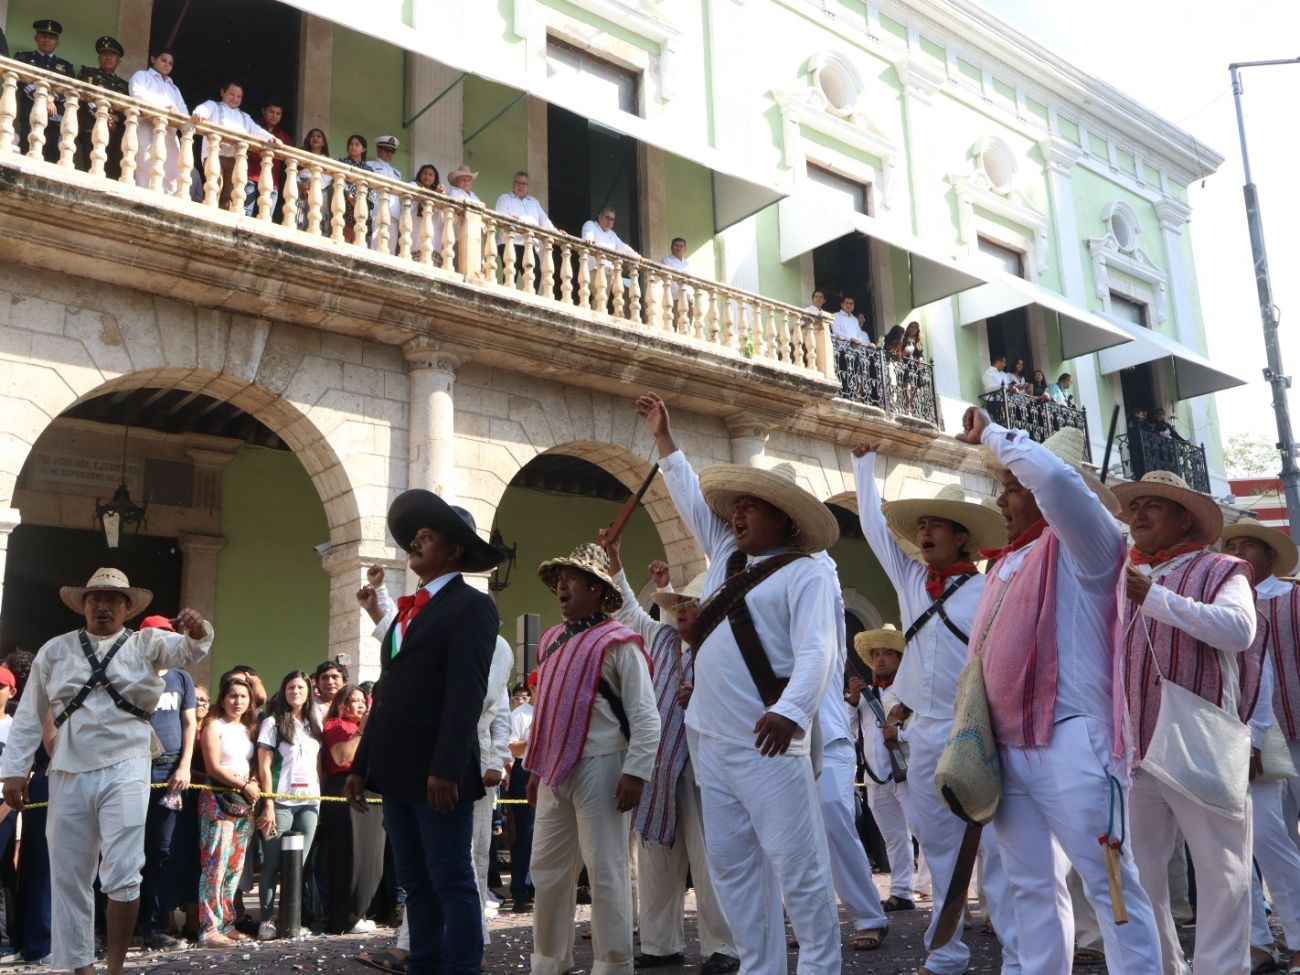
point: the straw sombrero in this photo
(986, 527)
(1166, 484)
(591, 559)
(461, 170)
(1068, 444)
(722, 484)
(672, 602)
(1280, 542)
(887, 636)
(107, 580)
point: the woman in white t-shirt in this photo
(288, 763)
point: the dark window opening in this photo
(1138, 387)
(590, 168)
(1009, 335)
(843, 268)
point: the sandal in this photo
(1089, 956)
(896, 903)
(385, 961)
(215, 940)
(1264, 959)
(869, 940)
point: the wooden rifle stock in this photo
(625, 513)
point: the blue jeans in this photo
(156, 887)
(521, 850)
(300, 818)
(431, 851)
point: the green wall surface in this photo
(688, 212)
(82, 24)
(858, 569)
(272, 607)
(498, 151)
(366, 96)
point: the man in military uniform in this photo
(110, 53)
(47, 39)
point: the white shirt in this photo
(994, 378)
(525, 210)
(1271, 588)
(846, 326)
(157, 90)
(496, 701)
(383, 168)
(873, 740)
(676, 263)
(219, 113)
(596, 234)
(521, 723)
(833, 713)
(456, 193)
(298, 771)
(926, 680)
(100, 734)
(1090, 557)
(814, 310)
(793, 612)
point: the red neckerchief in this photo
(1021, 540)
(408, 607)
(882, 682)
(1136, 557)
(936, 581)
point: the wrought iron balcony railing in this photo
(1040, 417)
(1144, 450)
(898, 386)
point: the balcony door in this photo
(1140, 386)
(1008, 333)
(842, 267)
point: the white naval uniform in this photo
(99, 772)
(1220, 846)
(159, 91)
(757, 810)
(890, 804)
(494, 753)
(1056, 799)
(662, 870)
(394, 202)
(926, 683)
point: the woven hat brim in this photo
(1104, 494)
(549, 569)
(864, 643)
(674, 602)
(987, 528)
(1209, 518)
(722, 484)
(1288, 554)
(137, 598)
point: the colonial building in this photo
(264, 381)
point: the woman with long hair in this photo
(912, 343)
(315, 143)
(288, 764)
(427, 177)
(356, 157)
(225, 820)
(356, 840)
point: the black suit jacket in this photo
(429, 697)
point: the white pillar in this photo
(10, 518)
(431, 452)
(315, 74)
(199, 585)
(748, 441)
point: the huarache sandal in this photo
(386, 961)
(896, 903)
(869, 940)
(1264, 959)
(1089, 956)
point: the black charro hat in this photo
(417, 508)
(48, 26)
(107, 43)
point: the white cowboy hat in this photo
(107, 580)
(1166, 484)
(673, 602)
(591, 559)
(459, 171)
(1068, 444)
(1280, 542)
(722, 484)
(888, 636)
(986, 527)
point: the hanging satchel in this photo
(1275, 757)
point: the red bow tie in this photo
(937, 580)
(408, 607)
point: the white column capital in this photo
(201, 545)
(920, 80)
(748, 440)
(422, 352)
(1060, 154)
(1172, 214)
(208, 458)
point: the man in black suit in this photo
(420, 747)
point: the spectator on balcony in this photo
(996, 376)
(47, 39)
(522, 207)
(316, 143)
(428, 178)
(817, 300)
(109, 51)
(154, 86)
(227, 114)
(912, 343)
(462, 184)
(676, 260)
(1059, 391)
(1038, 384)
(847, 326)
(1161, 427)
(386, 147)
(1018, 375)
(356, 157)
(601, 233)
(272, 115)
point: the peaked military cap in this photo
(48, 26)
(107, 43)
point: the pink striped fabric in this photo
(1251, 670)
(1283, 615)
(655, 817)
(1183, 659)
(1019, 650)
(567, 683)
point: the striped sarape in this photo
(655, 817)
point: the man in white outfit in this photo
(462, 184)
(1188, 616)
(386, 147)
(1044, 630)
(520, 205)
(227, 114)
(750, 719)
(938, 591)
(99, 685)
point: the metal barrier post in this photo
(291, 845)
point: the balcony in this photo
(1040, 417)
(896, 386)
(1145, 450)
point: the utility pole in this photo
(1268, 311)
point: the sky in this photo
(1173, 56)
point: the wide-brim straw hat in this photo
(459, 171)
(888, 636)
(722, 484)
(107, 580)
(415, 509)
(1288, 554)
(987, 528)
(1068, 444)
(591, 559)
(674, 602)
(1166, 484)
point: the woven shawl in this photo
(1250, 668)
(1283, 615)
(655, 817)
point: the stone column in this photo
(351, 629)
(431, 451)
(436, 134)
(748, 441)
(199, 584)
(133, 19)
(315, 64)
(9, 520)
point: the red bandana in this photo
(1021, 540)
(882, 682)
(937, 580)
(1164, 555)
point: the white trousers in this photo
(662, 883)
(1291, 797)
(940, 833)
(1220, 850)
(850, 868)
(1055, 803)
(96, 820)
(480, 846)
(578, 823)
(889, 805)
(765, 840)
(1278, 861)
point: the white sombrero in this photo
(672, 602)
(1280, 542)
(1068, 444)
(987, 528)
(107, 580)
(591, 559)
(888, 637)
(1166, 484)
(722, 484)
